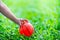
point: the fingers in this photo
(22, 21)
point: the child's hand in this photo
(20, 20)
(7, 12)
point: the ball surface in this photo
(26, 29)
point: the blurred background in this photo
(44, 15)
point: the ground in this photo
(44, 15)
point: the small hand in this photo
(21, 20)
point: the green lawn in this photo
(44, 15)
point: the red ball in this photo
(26, 29)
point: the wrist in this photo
(17, 21)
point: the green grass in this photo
(44, 15)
